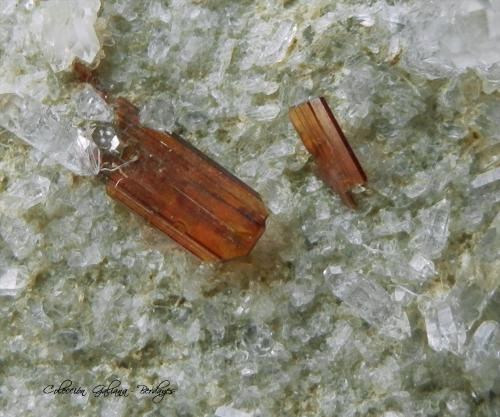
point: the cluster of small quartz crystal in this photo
(390, 311)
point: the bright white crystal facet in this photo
(423, 266)
(12, 281)
(65, 30)
(445, 327)
(332, 270)
(438, 44)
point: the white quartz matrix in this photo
(392, 310)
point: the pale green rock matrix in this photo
(392, 310)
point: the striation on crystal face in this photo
(432, 236)
(323, 138)
(261, 336)
(445, 327)
(177, 189)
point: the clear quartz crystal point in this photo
(50, 133)
(432, 235)
(371, 302)
(24, 193)
(482, 360)
(91, 106)
(445, 327)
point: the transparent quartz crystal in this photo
(371, 302)
(445, 326)
(50, 133)
(24, 194)
(483, 355)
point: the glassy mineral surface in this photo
(392, 310)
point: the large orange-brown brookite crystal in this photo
(321, 134)
(178, 189)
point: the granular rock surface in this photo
(392, 310)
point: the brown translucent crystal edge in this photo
(321, 134)
(178, 189)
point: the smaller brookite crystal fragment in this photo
(176, 188)
(323, 138)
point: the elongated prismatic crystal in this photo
(323, 138)
(176, 188)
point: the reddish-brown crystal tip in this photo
(323, 138)
(178, 189)
(185, 194)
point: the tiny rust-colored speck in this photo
(179, 190)
(323, 138)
